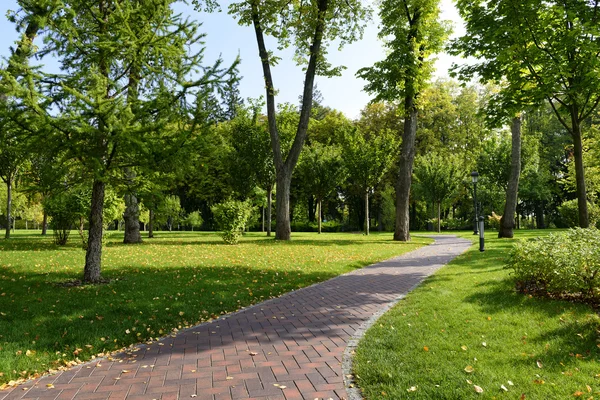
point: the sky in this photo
(226, 39)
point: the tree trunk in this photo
(151, 223)
(367, 212)
(539, 215)
(132, 213)
(269, 209)
(8, 206)
(45, 224)
(93, 256)
(407, 157)
(282, 206)
(311, 208)
(439, 216)
(579, 175)
(319, 215)
(507, 222)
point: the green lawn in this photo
(173, 281)
(466, 326)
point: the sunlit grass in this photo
(173, 281)
(468, 315)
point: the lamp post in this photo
(474, 176)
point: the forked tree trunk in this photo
(319, 214)
(45, 224)
(8, 206)
(151, 223)
(580, 175)
(507, 221)
(269, 208)
(285, 166)
(407, 157)
(93, 256)
(367, 212)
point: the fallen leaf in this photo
(412, 389)
(478, 389)
(522, 396)
(539, 381)
(50, 386)
(589, 388)
(504, 388)
(484, 344)
(489, 318)
(229, 378)
(469, 369)
(425, 348)
(194, 395)
(282, 387)
(464, 348)
(578, 393)
(539, 364)
(253, 353)
(510, 383)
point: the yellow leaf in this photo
(464, 348)
(50, 386)
(412, 389)
(539, 381)
(478, 389)
(425, 348)
(589, 388)
(469, 369)
(578, 393)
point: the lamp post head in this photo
(474, 176)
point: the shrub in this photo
(231, 216)
(494, 221)
(569, 213)
(564, 264)
(59, 208)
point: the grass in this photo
(171, 282)
(468, 317)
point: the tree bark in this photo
(282, 208)
(407, 157)
(539, 215)
(580, 175)
(269, 209)
(151, 223)
(263, 219)
(45, 224)
(93, 256)
(367, 212)
(131, 216)
(8, 206)
(507, 221)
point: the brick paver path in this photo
(287, 348)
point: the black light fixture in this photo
(474, 177)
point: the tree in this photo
(438, 177)
(368, 156)
(545, 50)
(322, 169)
(94, 119)
(193, 219)
(412, 33)
(309, 26)
(169, 211)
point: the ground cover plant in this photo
(161, 285)
(467, 333)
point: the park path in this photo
(283, 349)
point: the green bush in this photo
(231, 216)
(564, 264)
(569, 213)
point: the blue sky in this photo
(226, 39)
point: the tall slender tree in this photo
(413, 33)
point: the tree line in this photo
(137, 127)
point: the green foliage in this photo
(193, 219)
(232, 216)
(413, 34)
(294, 24)
(61, 209)
(169, 211)
(437, 177)
(568, 211)
(566, 263)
